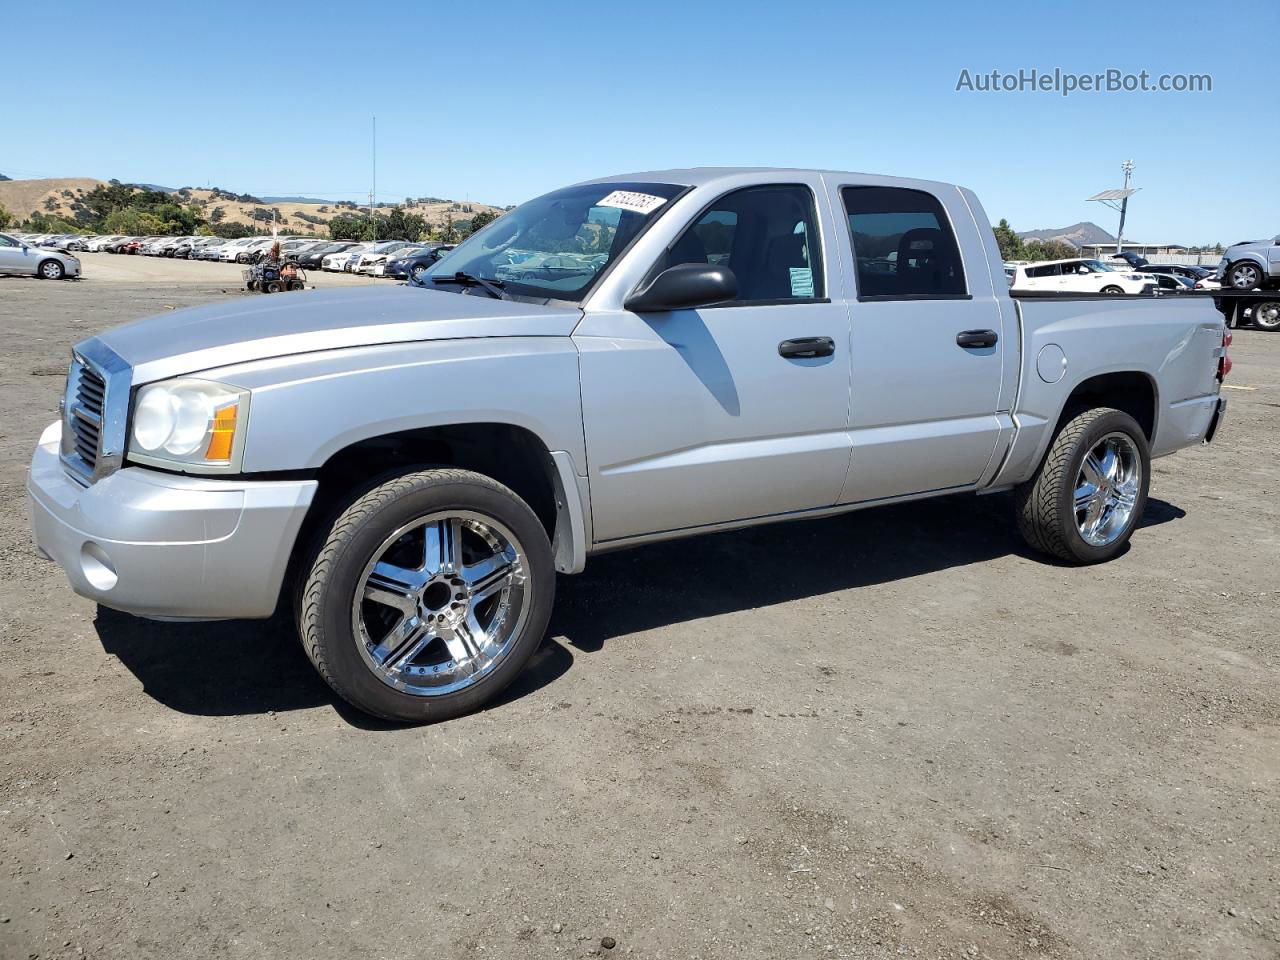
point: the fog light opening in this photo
(97, 567)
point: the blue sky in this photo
(500, 101)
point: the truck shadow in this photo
(243, 667)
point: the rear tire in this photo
(1266, 315)
(340, 605)
(272, 286)
(1053, 507)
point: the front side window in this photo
(903, 244)
(557, 246)
(768, 237)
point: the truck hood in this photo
(261, 326)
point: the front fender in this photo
(305, 408)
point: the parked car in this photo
(22, 259)
(375, 265)
(337, 262)
(1251, 265)
(99, 244)
(311, 259)
(357, 262)
(1172, 283)
(1198, 277)
(1078, 276)
(424, 462)
(236, 251)
(414, 265)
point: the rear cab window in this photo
(903, 245)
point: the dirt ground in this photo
(895, 733)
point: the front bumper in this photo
(72, 267)
(161, 545)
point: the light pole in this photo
(1119, 200)
(1127, 167)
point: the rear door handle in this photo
(973, 339)
(804, 347)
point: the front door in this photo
(698, 417)
(11, 259)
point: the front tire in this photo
(428, 595)
(1084, 501)
(51, 270)
(1244, 276)
(1113, 290)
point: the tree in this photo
(1011, 247)
(134, 223)
(346, 227)
(231, 231)
(6, 217)
(482, 220)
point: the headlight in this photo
(193, 424)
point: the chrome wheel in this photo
(441, 602)
(1245, 277)
(1107, 489)
(1267, 315)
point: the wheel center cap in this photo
(436, 596)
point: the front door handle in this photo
(807, 347)
(973, 339)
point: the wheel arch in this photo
(1134, 392)
(513, 455)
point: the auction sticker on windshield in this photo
(630, 200)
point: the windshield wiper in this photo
(491, 287)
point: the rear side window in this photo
(1052, 270)
(903, 244)
(768, 237)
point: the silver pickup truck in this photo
(627, 360)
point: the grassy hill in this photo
(57, 197)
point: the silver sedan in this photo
(20, 259)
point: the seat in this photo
(925, 262)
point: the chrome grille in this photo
(94, 409)
(85, 416)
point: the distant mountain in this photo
(155, 186)
(297, 200)
(3, 177)
(1078, 234)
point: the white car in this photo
(233, 248)
(1077, 276)
(336, 262)
(98, 244)
(378, 251)
(376, 264)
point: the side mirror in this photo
(683, 286)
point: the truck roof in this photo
(703, 176)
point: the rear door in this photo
(928, 341)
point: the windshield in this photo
(557, 245)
